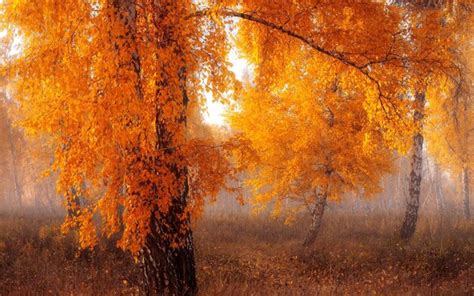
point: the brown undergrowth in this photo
(246, 255)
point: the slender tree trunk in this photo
(440, 202)
(411, 214)
(48, 197)
(316, 218)
(16, 183)
(400, 189)
(439, 191)
(466, 181)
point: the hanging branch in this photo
(364, 69)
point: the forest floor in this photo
(246, 255)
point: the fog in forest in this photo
(236, 147)
(28, 189)
(240, 249)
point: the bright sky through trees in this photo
(215, 113)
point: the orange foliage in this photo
(117, 90)
(332, 92)
(109, 93)
(450, 129)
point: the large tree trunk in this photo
(466, 181)
(411, 214)
(168, 269)
(167, 256)
(316, 218)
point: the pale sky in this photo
(215, 110)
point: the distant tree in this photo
(381, 63)
(450, 130)
(11, 140)
(423, 20)
(316, 124)
(308, 141)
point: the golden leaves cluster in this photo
(116, 89)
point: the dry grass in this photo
(242, 255)
(354, 254)
(35, 259)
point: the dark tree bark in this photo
(411, 214)
(170, 270)
(316, 218)
(423, 4)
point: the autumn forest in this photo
(236, 147)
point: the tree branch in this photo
(363, 69)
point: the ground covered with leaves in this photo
(245, 255)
